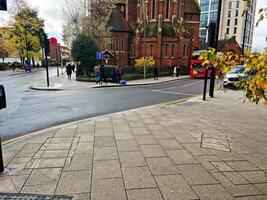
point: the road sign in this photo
(53, 40)
(99, 55)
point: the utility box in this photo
(2, 97)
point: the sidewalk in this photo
(192, 150)
(62, 83)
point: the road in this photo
(30, 110)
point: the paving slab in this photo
(181, 157)
(175, 187)
(161, 166)
(82, 180)
(144, 194)
(211, 192)
(111, 189)
(106, 169)
(138, 177)
(196, 174)
(132, 159)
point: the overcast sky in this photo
(50, 11)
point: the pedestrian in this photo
(120, 74)
(178, 69)
(69, 71)
(156, 73)
(103, 74)
(97, 75)
(13, 66)
(73, 67)
(174, 72)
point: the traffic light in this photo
(3, 5)
(212, 35)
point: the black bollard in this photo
(212, 81)
(205, 84)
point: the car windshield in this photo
(236, 70)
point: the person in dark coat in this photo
(178, 69)
(103, 74)
(73, 68)
(156, 73)
(69, 71)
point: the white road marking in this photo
(191, 83)
(176, 93)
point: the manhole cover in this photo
(12, 196)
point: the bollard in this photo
(1, 158)
(205, 84)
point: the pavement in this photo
(192, 150)
(62, 83)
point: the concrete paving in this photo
(192, 150)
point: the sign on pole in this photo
(99, 55)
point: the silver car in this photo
(234, 76)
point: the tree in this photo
(73, 18)
(84, 50)
(255, 67)
(26, 33)
(3, 53)
(95, 24)
(139, 63)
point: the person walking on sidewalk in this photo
(174, 72)
(69, 71)
(156, 73)
(97, 75)
(178, 69)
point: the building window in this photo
(167, 14)
(117, 42)
(154, 9)
(122, 42)
(185, 53)
(173, 50)
(133, 50)
(235, 30)
(228, 22)
(227, 31)
(237, 4)
(151, 49)
(166, 50)
(229, 13)
(230, 5)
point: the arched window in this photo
(122, 42)
(185, 50)
(167, 14)
(154, 9)
(166, 50)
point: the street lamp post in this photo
(144, 16)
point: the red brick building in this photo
(171, 33)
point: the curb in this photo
(139, 84)
(47, 88)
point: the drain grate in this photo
(16, 196)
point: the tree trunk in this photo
(33, 62)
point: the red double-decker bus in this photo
(196, 68)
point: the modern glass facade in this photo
(209, 13)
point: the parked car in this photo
(234, 76)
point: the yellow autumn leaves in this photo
(255, 68)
